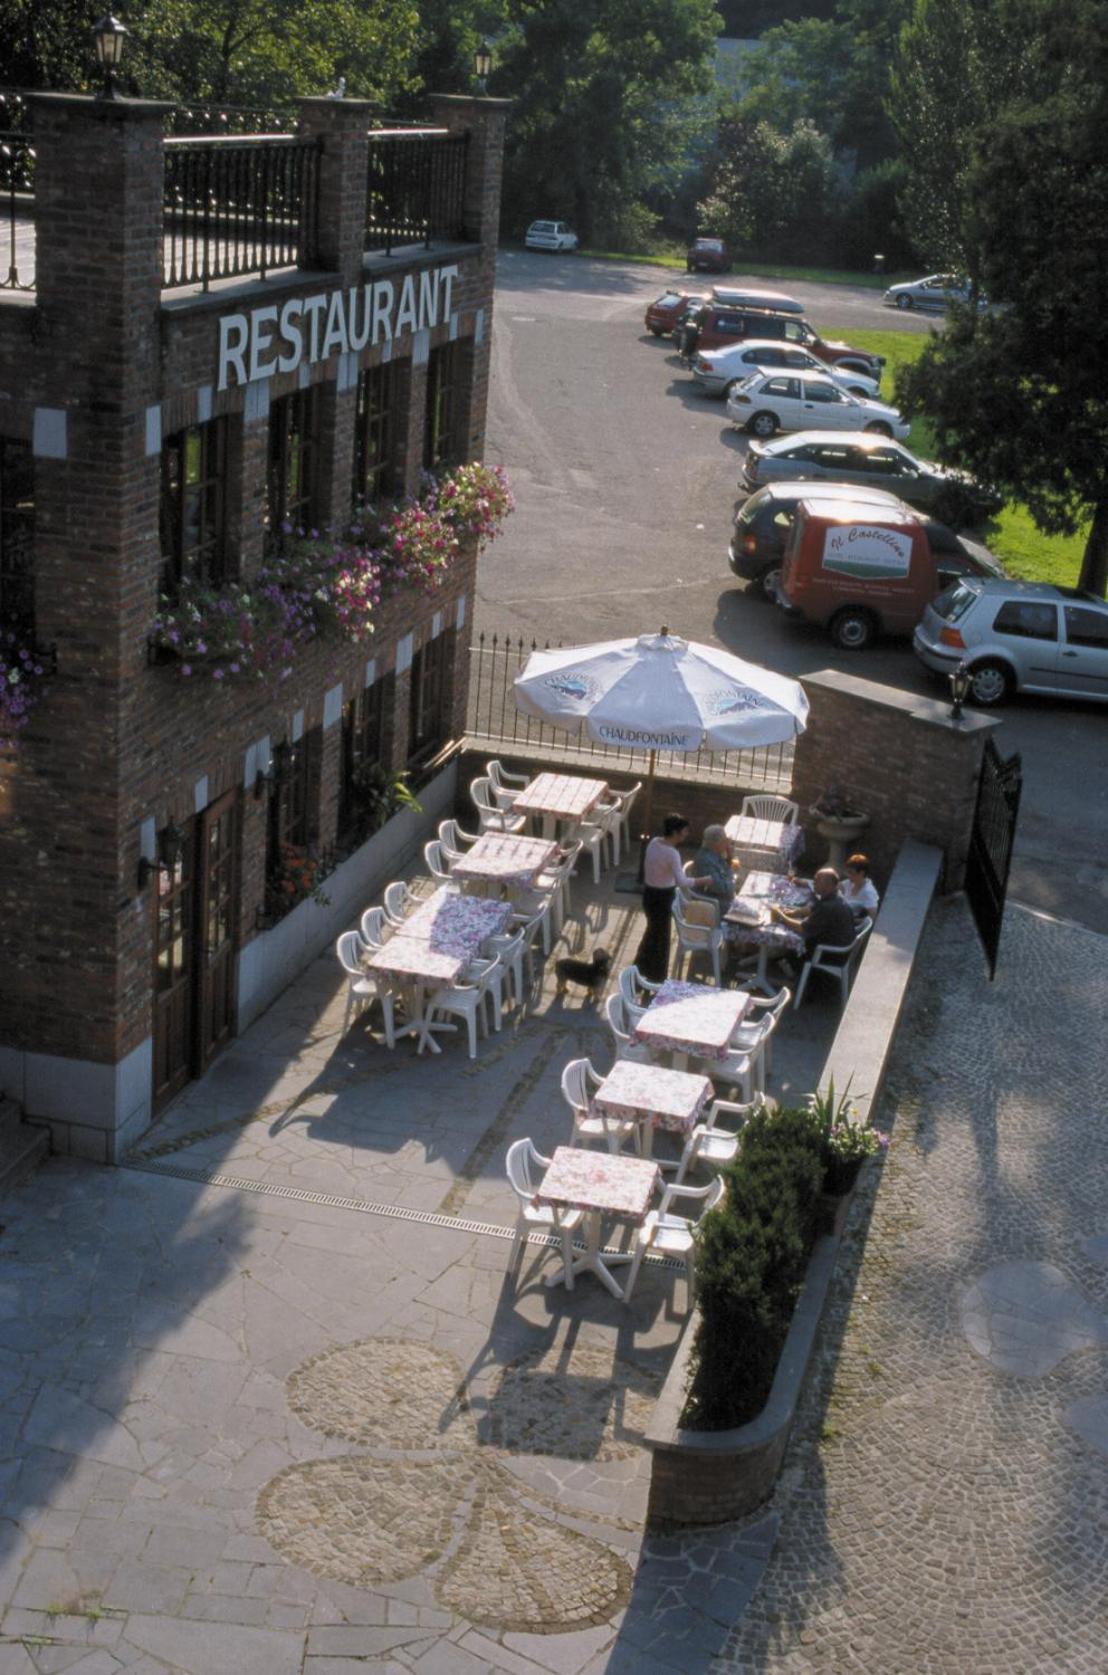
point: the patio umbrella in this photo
(659, 692)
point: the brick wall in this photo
(117, 743)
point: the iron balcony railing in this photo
(17, 186)
(494, 721)
(237, 206)
(415, 187)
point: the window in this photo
(445, 434)
(826, 393)
(1025, 621)
(379, 433)
(953, 604)
(366, 733)
(292, 490)
(17, 537)
(834, 457)
(1085, 627)
(788, 387)
(429, 711)
(766, 357)
(193, 524)
(293, 828)
(799, 358)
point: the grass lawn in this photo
(1021, 548)
(673, 256)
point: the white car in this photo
(717, 371)
(550, 235)
(935, 291)
(766, 402)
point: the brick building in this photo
(223, 336)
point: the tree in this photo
(771, 192)
(1017, 394)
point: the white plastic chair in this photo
(398, 902)
(637, 991)
(506, 787)
(454, 837)
(747, 1035)
(526, 1165)
(622, 837)
(511, 951)
(493, 818)
(437, 863)
(673, 1235)
(579, 1084)
(770, 808)
(556, 882)
(697, 939)
(836, 962)
(621, 1027)
(595, 833)
(375, 928)
(466, 1000)
(709, 1143)
(490, 971)
(363, 988)
(531, 912)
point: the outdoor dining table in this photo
(500, 860)
(600, 1184)
(653, 1097)
(432, 950)
(690, 1020)
(760, 890)
(553, 797)
(762, 844)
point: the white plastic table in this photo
(690, 1020)
(600, 1184)
(768, 935)
(653, 1098)
(555, 797)
(410, 963)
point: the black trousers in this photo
(652, 955)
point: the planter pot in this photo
(842, 833)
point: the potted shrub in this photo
(846, 1143)
(839, 822)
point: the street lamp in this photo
(482, 65)
(959, 690)
(109, 35)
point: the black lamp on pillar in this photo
(109, 35)
(482, 65)
(959, 690)
(171, 843)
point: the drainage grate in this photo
(366, 1207)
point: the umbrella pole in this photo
(631, 883)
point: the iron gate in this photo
(991, 841)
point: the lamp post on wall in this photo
(482, 65)
(109, 35)
(959, 690)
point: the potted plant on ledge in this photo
(846, 1142)
(839, 822)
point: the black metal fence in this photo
(415, 188)
(236, 206)
(17, 185)
(494, 720)
(991, 843)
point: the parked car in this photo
(863, 457)
(718, 371)
(550, 235)
(1018, 637)
(717, 325)
(665, 311)
(859, 569)
(763, 523)
(707, 255)
(936, 291)
(767, 402)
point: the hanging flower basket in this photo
(22, 674)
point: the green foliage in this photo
(770, 191)
(752, 1251)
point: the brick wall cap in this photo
(104, 110)
(238, 292)
(324, 102)
(935, 711)
(472, 101)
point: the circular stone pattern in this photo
(1025, 1317)
(384, 1393)
(594, 1408)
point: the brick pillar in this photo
(897, 757)
(484, 120)
(340, 127)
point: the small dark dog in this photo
(591, 974)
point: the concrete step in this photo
(22, 1145)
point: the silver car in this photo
(1018, 637)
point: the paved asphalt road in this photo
(625, 480)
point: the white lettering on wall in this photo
(254, 346)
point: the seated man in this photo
(713, 863)
(828, 921)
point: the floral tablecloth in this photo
(690, 1018)
(670, 1099)
(505, 858)
(411, 959)
(455, 924)
(761, 889)
(564, 796)
(762, 843)
(595, 1180)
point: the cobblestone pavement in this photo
(944, 1506)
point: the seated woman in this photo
(857, 888)
(713, 862)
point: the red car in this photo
(665, 311)
(707, 255)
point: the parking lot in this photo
(625, 480)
